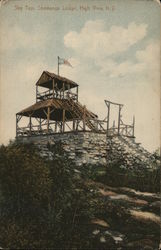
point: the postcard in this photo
(80, 124)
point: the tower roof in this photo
(46, 79)
(74, 110)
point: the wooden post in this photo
(48, 119)
(68, 90)
(73, 124)
(63, 90)
(30, 123)
(77, 93)
(108, 118)
(56, 126)
(84, 118)
(114, 126)
(61, 127)
(77, 123)
(53, 87)
(58, 65)
(40, 124)
(63, 120)
(36, 92)
(119, 117)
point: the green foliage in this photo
(141, 178)
(50, 204)
(25, 185)
(24, 178)
(42, 202)
(93, 172)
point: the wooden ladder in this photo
(77, 109)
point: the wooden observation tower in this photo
(57, 110)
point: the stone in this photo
(94, 148)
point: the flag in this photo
(64, 61)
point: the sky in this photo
(113, 46)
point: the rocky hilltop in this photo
(49, 201)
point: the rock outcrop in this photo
(95, 148)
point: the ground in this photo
(123, 218)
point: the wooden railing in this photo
(41, 96)
(95, 125)
(125, 130)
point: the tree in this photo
(25, 186)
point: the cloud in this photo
(96, 45)
(101, 47)
(18, 92)
(114, 69)
(95, 41)
(150, 56)
(14, 37)
(145, 62)
(132, 79)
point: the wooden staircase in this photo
(81, 113)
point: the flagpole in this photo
(58, 65)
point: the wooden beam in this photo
(40, 125)
(80, 126)
(56, 126)
(48, 119)
(45, 112)
(36, 92)
(84, 117)
(108, 118)
(56, 89)
(77, 93)
(114, 103)
(63, 120)
(68, 89)
(53, 87)
(77, 124)
(119, 118)
(61, 126)
(51, 111)
(63, 90)
(19, 118)
(73, 124)
(68, 126)
(30, 124)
